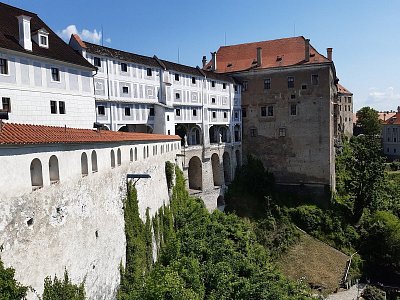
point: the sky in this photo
(364, 34)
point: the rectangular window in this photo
(177, 96)
(6, 102)
(53, 107)
(178, 112)
(244, 112)
(214, 115)
(293, 109)
(101, 110)
(282, 132)
(349, 99)
(125, 90)
(151, 112)
(167, 118)
(314, 79)
(55, 74)
(124, 67)
(213, 100)
(236, 88)
(3, 66)
(176, 77)
(127, 111)
(267, 84)
(61, 107)
(245, 85)
(270, 111)
(194, 112)
(193, 80)
(225, 115)
(97, 61)
(43, 40)
(236, 115)
(304, 87)
(290, 82)
(149, 72)
(263, 111)
(212, 83)
(224, 86)
(253, 132)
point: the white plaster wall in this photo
(65, 216)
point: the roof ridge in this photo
(17, 8)
(287, 38)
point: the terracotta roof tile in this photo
(394, 119)
(79, 40)
(275, 53)
(343, 90)
(12, 134)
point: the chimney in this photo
(259, 56)
(24, 25)
(204, 61)
(329, 53)
(307, 50)
(214, 61)
(398, 109)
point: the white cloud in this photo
(383, 99)
(86, 35)
(108, 40)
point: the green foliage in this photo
(368, 120)
(10, 289)
(373, 293)
(169, 174)
(59, 289)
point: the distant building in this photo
(391, 136)
(345, 111)
(42, 79)
(288, 97)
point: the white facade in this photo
(32, 96)
(391, 137)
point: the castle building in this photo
(391, 136)
(42, 79)
(344, 111)
(288, 98)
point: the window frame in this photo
(293, 108)
(193, 80)
(127, 111)
(61, 108)
(270, 111)
(176, 77)
(103, 109)
(267, 83)
(149, 72)
(152, 112)
(290, 82)
(3, 103)
(178, 112)
(314, 79)
(125, 90)
(53, 107)
(4, 66)
(97, 61)
(245, 86)
(55, 74)
(194, 112)
(124, 67)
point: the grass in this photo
(314, 263)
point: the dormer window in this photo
(42, 38)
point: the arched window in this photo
(135, 154)
(53, 169)
(148, 153)
(84, 164)
(131, 155)
(112, 159)
(144, 152)
(119, 157)
(36, 174)
(195, 174)
(94, 161)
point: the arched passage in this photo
(227, 167)
(213, 134)
(238, 158)
(194, 137)
(84, 164)
(217, 170)
(54, 172)
(224, 134)
(36, 174)
(195, 174)
(221, 203)
(94, 162)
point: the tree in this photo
(10, 289)
(368, 120)
(62, 289)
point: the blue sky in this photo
(364, 34)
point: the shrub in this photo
(58, 289)
(10, 289)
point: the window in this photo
(176, 77)
(236, 88)
(290, 82)
(149, 72)
(244, 112)
(125, 90)
(84, 165)
(282, 132)
(94, 162)
(6, 102)
(245, 85)
(55, 74)
(293, 109)
(97, 61)
(263, 111)
(213, 100)
(270, 111)
(225, 115)
(224, 86)
(194, 112)
(193, 80)
(304, 87)
(101, 110)
(53, 107)
(3, 66)
(253, 132)
(314, 79)
(167, 118)
(214, 114)
(267, 84)
(124, 67)
(151, 111)
(292, 96)
(177, 96)
(213, 83)
(61, 107)
(236, 115)
(178, 112)
(127, 111)
(43, 40)
(349, 99)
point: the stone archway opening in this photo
(217, 170)
(195, 174)
(221, 203)
(227, 168)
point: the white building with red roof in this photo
(391, 136)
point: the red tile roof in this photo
(20, 134)
(343, 90)
(78, 40)
(394, 119)
(275, 53)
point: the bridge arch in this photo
(195, 174)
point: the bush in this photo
(58, 289)
(373, 293)
(10, 289)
